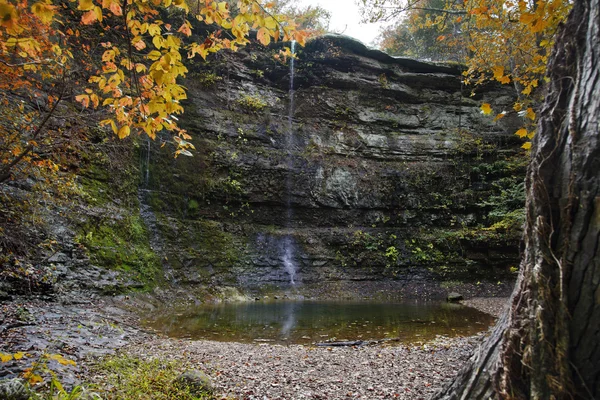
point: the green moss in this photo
(122, 245)
(117, 238)
(201, 247)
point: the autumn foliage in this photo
(126, 57)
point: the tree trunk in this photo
(547, 346)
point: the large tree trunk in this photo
(548, 344)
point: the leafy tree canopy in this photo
(314, 19)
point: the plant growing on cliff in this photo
(252, 102)
(129, 52)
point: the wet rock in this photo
(454, 297)
(4, 295)
(59, 258)
(377, 145)
(197, 382)
(14, 389)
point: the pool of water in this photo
(311, 322)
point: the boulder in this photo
(197, 382)
(454, 297)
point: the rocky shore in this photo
(267, 371)
(85, 332)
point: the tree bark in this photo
(547, 346)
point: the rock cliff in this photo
(364, 168)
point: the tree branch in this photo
(5, 172)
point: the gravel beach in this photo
(268, 372)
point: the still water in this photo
(309, 322)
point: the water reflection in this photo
(290, 322)
(306, 322)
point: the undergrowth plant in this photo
(126, 377)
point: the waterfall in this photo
(288, 261)
(157, 244)
(147, 173)
(288, 244)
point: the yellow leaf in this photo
(521, 133)
(223, 6)
(18, 355)
(154, 55)
(154, 30)
(517, 107)
(85, 5)
(270, 23)
(111, 123)
(9, 18)
(526, 145)
(157, 41)
(124, 131)
(486, 108)
(5, 357)
(43, 11)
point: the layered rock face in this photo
(371, 168)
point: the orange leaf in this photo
(530, 114)
(116, 8)
(185, 29)
(526, 18)
(89, 17)
(500, 116)
(263, 36)
(84, 99)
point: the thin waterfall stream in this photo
(157, 242)
(288, 244)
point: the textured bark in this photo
(548, 344)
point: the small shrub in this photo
(252, 102)
(207, 79)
